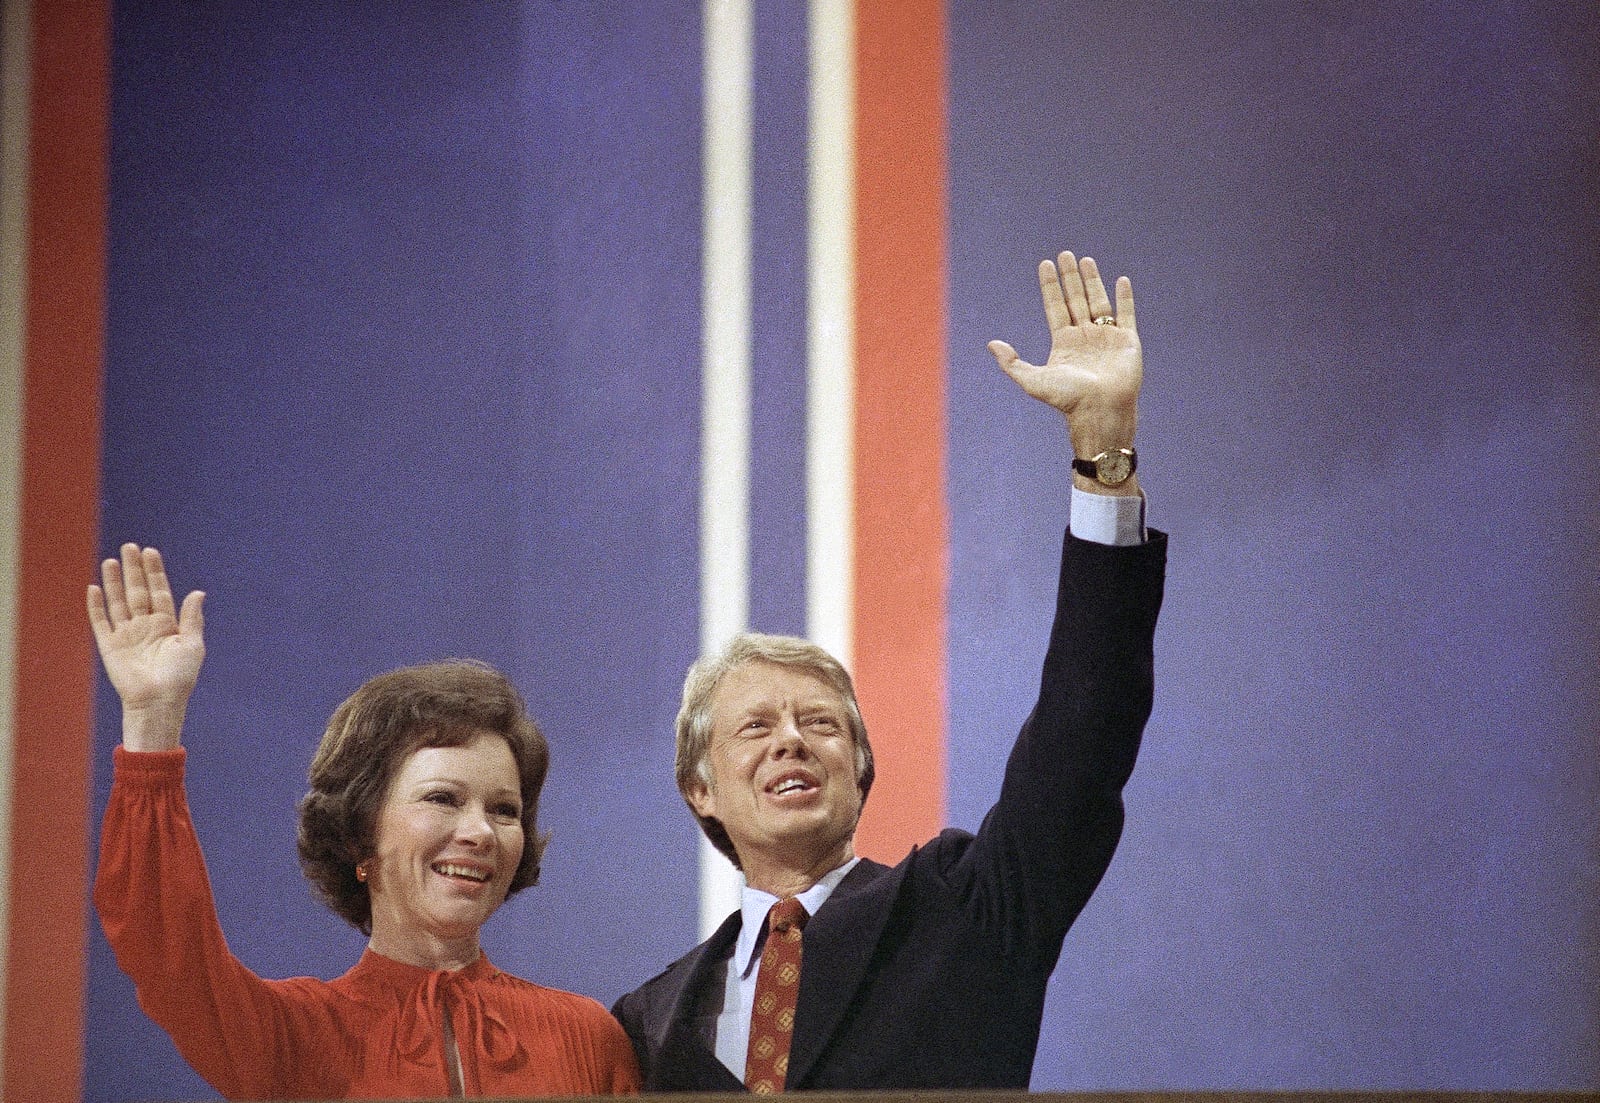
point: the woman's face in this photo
(449, 839)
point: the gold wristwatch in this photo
(1112, 468)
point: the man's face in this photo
(783, 777)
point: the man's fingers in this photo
(1022, 373)
(1072, 284)
(1125, 316)
(1056, 311)
(1099, 303)
(1006, 357)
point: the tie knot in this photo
(785, 914)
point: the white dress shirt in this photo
(733, 1024)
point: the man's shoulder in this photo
(665, 986)
(672, 976)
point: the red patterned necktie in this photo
(772, 1015)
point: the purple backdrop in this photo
(404, 346)
(1362, 846)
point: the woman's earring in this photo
(361, 871)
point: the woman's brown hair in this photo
(369, 737)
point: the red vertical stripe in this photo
(901, 516)
(64, 343)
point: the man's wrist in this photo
(1101, 429)
(1129, 489)
(1110, 468)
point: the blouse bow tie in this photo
(479, 1028)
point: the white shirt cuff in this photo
(1108, 519)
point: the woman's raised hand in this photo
(152, 651)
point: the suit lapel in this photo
(685, 1037)
(839, 942)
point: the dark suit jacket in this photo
(932, 974)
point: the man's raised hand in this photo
(1095, 367)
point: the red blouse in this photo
(376, 1032)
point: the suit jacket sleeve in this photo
(1048, 840)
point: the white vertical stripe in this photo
(830, 339)
(16, 66)
(725, 373)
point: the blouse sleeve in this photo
(623, 1065)
(155, 905)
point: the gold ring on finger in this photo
(1107, 320)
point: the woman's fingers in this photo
(134, 585)
(99, 622)
(192, 620)
(116, 597)
(159, 588)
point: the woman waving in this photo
(420, 821)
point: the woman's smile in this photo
(449, 839)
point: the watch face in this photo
(1114, 467)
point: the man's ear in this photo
(701, 799)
